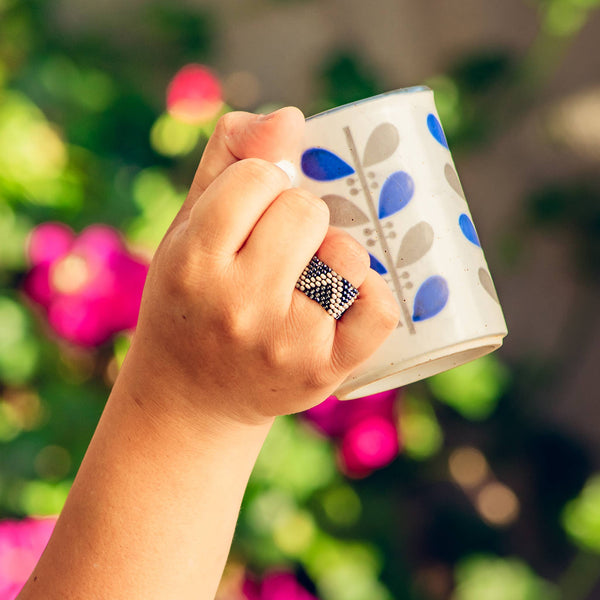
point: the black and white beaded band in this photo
(323, 285)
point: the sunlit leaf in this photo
(581, 516)
(421, 434)
(485, 577)
(473, 389)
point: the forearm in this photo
(152, 511)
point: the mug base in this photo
(396, 375)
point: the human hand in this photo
(222, 329)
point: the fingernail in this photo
(290, 170)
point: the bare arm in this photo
(224, 344)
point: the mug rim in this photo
(408, 90)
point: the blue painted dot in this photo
(435, 128)
(431, 298)
(396, 193)
(468, 229)
(323, 165)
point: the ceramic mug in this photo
(384, 168)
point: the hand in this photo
(222, 329)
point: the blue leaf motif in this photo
(435, 128)
(377, 266)
(468, 229)
(431, 297)
(396, 193)
(323, 165)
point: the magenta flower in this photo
(277, 585)
(194, 95)
(89, 286)
(369, 445)
(365, 429)
(21, 545)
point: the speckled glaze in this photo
(384, 168)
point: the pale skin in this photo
(224, 344)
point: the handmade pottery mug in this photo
(384, 168)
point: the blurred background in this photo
(482, 483)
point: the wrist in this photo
(164, 399)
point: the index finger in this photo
(240, 135)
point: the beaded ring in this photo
(323, 285)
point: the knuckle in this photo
(224, 126)
(261, 171)
(305, 207)
(388, 312)
(276, 354)
(234, 322)
(352, 251)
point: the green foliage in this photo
(581, 516)
(493, 578)
(473, 389)
(84, 138)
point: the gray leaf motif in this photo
(382, 143)
(487, 283)
(343, 213)
(415, 244)
(453, 180)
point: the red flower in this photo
(278, 585)
(194, 95)
(365, 429)
(21, 545)
(89, 285)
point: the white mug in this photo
(384, 168)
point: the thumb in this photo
(239, 135)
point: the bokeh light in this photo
(581, 516)
(171, 137)
(371, 444)
(483, 577)
(194, 95)
(473, 389)
(242, 89)
(497, 504)
(421, 433)
(468, 466)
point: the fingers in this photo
(342, 253)
(366, 324)
(241, 135)
(285, 239)
(231, 206)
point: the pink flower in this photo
(369, 445)
(89, 286)
(194, 95)
(21, 545)
(277, 585)
(365, 429)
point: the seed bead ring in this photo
(323, 285)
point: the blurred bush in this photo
(453, 488)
